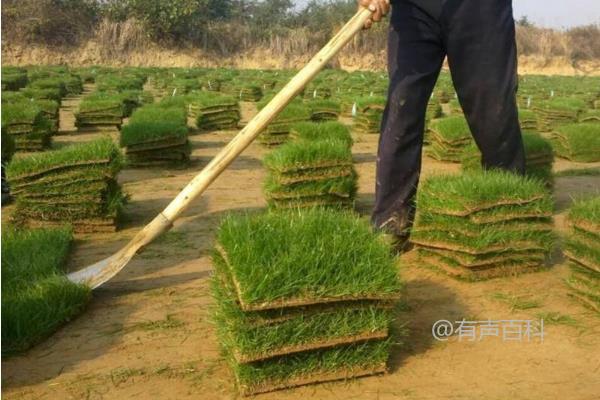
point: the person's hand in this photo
(379, 7)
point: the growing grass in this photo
(337, 257)
(36, 296)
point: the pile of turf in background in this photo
(76, 184)
(25, 121)
(331, 130)
(369, 111)
(448, 138)
(100, 110)
(528, 120)
(277, 132)
(539, 157)
(243, 91)
(37, 298)
(577, 142)
(213, 111)
(483, 224)
(324, 110)
(558, 111)
(302, 297)
(156, 136)
(582, 249)
(8, 150)
(13, 78)
(309, 172)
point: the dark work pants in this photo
(478, 37)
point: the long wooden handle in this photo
(260, 121)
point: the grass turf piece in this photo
(321, 131)
(337, 363)
(36, 296)
(300, 331)
(471, 192)
(338, 258)
(578, 142)
(539, 157)
(141, 132)
(296, 156)
(98, 151)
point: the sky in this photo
(548, 13)
(558, 13)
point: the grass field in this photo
(150, 333)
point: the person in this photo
(478, 38)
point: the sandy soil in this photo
(147, 334)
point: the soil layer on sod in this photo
(286, 314)
(367, 114)
(28, 125)
(483, 224)
(76, 184)
(36, 296)
(214, 111)
(582, 248)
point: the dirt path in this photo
(147, 333)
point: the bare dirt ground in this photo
(147, 333)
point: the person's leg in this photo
(415, 56)
(482, 55)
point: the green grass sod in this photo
(50, 83)
(584, 252)
(328, 201)
(41, 94)
(338, 363)
(538, 154)
(36, 296)
(144, 131)
(343, 187)
(578, 142)
(100, 151)
(295, 156)
(585, 286)
(302, 331)
(451, 129)
(155, 113)
(453, 269)
(490, 240)
(489, 260)
(13, 80)
(426, 221)
(471, 192)
(324, 109)
(321, 131)
(273, 268)
(585, 214)
(27, 113)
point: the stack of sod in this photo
(311, 173)
(582, 248)
(277, 132)
(156, 136)
(324, 110)
(76, 184)
(482, 225)
(36, 296)
(302, 297)
(13, 80)
(213, 111)
(41, 94)
(528, 120)
(8, 150)
(448, 137)
(590, 116)
(369, 111)
(577, 142)
(55, 83)
(99, 110)
(434, 110)
(26, 123)
(244, 91)
(558, 111)
(539, 157)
